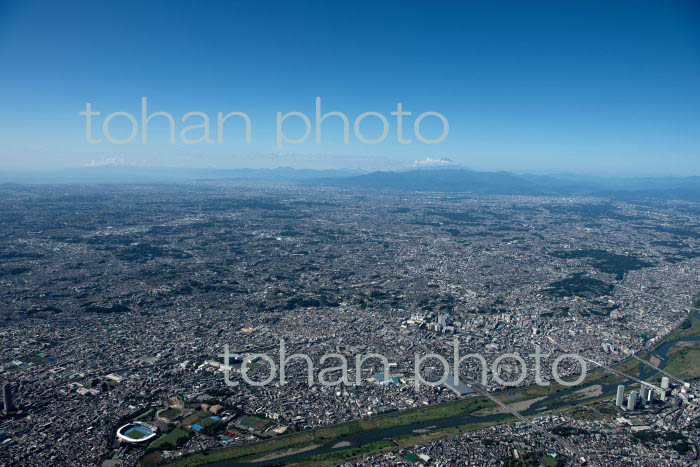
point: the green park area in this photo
(171, 440)
(684, 361)
(171, 413)
(255, 423)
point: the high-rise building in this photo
(7, 397)
(643, 392)
(664, 382)
(650, 396)
(632, 400)
(620, 395)
(441, 320)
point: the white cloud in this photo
(107, 161)
(430, 162)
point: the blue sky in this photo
(529, 86)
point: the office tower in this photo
(7, 397)
(643, 392)
(620, 395)
(650, 396)
(664, 382)
(632, 400)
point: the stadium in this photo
(137, 432)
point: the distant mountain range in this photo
(135, 174)
(453, 179)
(505, 183)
